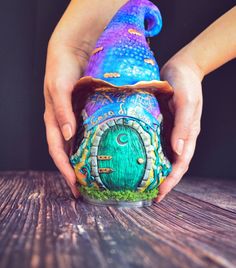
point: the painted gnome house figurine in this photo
(118, 157)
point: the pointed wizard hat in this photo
(122, 58)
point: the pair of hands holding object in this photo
(69, 50)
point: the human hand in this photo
(186, 107)
(64, 67)
(68, 51)
(185, 71)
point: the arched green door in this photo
(121, 158)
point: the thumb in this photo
(64, 114)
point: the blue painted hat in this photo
(122, 57)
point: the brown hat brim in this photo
(155, 86)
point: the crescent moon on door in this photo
(122, 139)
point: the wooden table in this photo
(42, 225)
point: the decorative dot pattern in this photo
(125, 57)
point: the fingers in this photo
(61, 76)
(179, 168)
(183, 140)
(62, 72)
(184, 115)
(57, 151)
(63, 111)
(186, 106)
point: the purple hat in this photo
(122, 57)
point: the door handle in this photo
(104, 157)
(105, 170)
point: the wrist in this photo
(182, 62)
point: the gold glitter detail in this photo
(111, 75)
(104, 157)
(96, 50)
(150, 61)
(105, 170)
(133, 31)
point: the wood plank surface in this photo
(221, 192)
(42, 225)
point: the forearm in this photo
(75, 28)
(212, 48)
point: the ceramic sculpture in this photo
(118, 156)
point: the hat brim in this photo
(154, 86)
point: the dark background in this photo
(25, 27)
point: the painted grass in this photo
(117, 195)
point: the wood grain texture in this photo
(42, 225)
(220, 192)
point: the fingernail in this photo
(74, 190)
(159, 198)
(67, 131)
(76, 194)
(179, 146)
